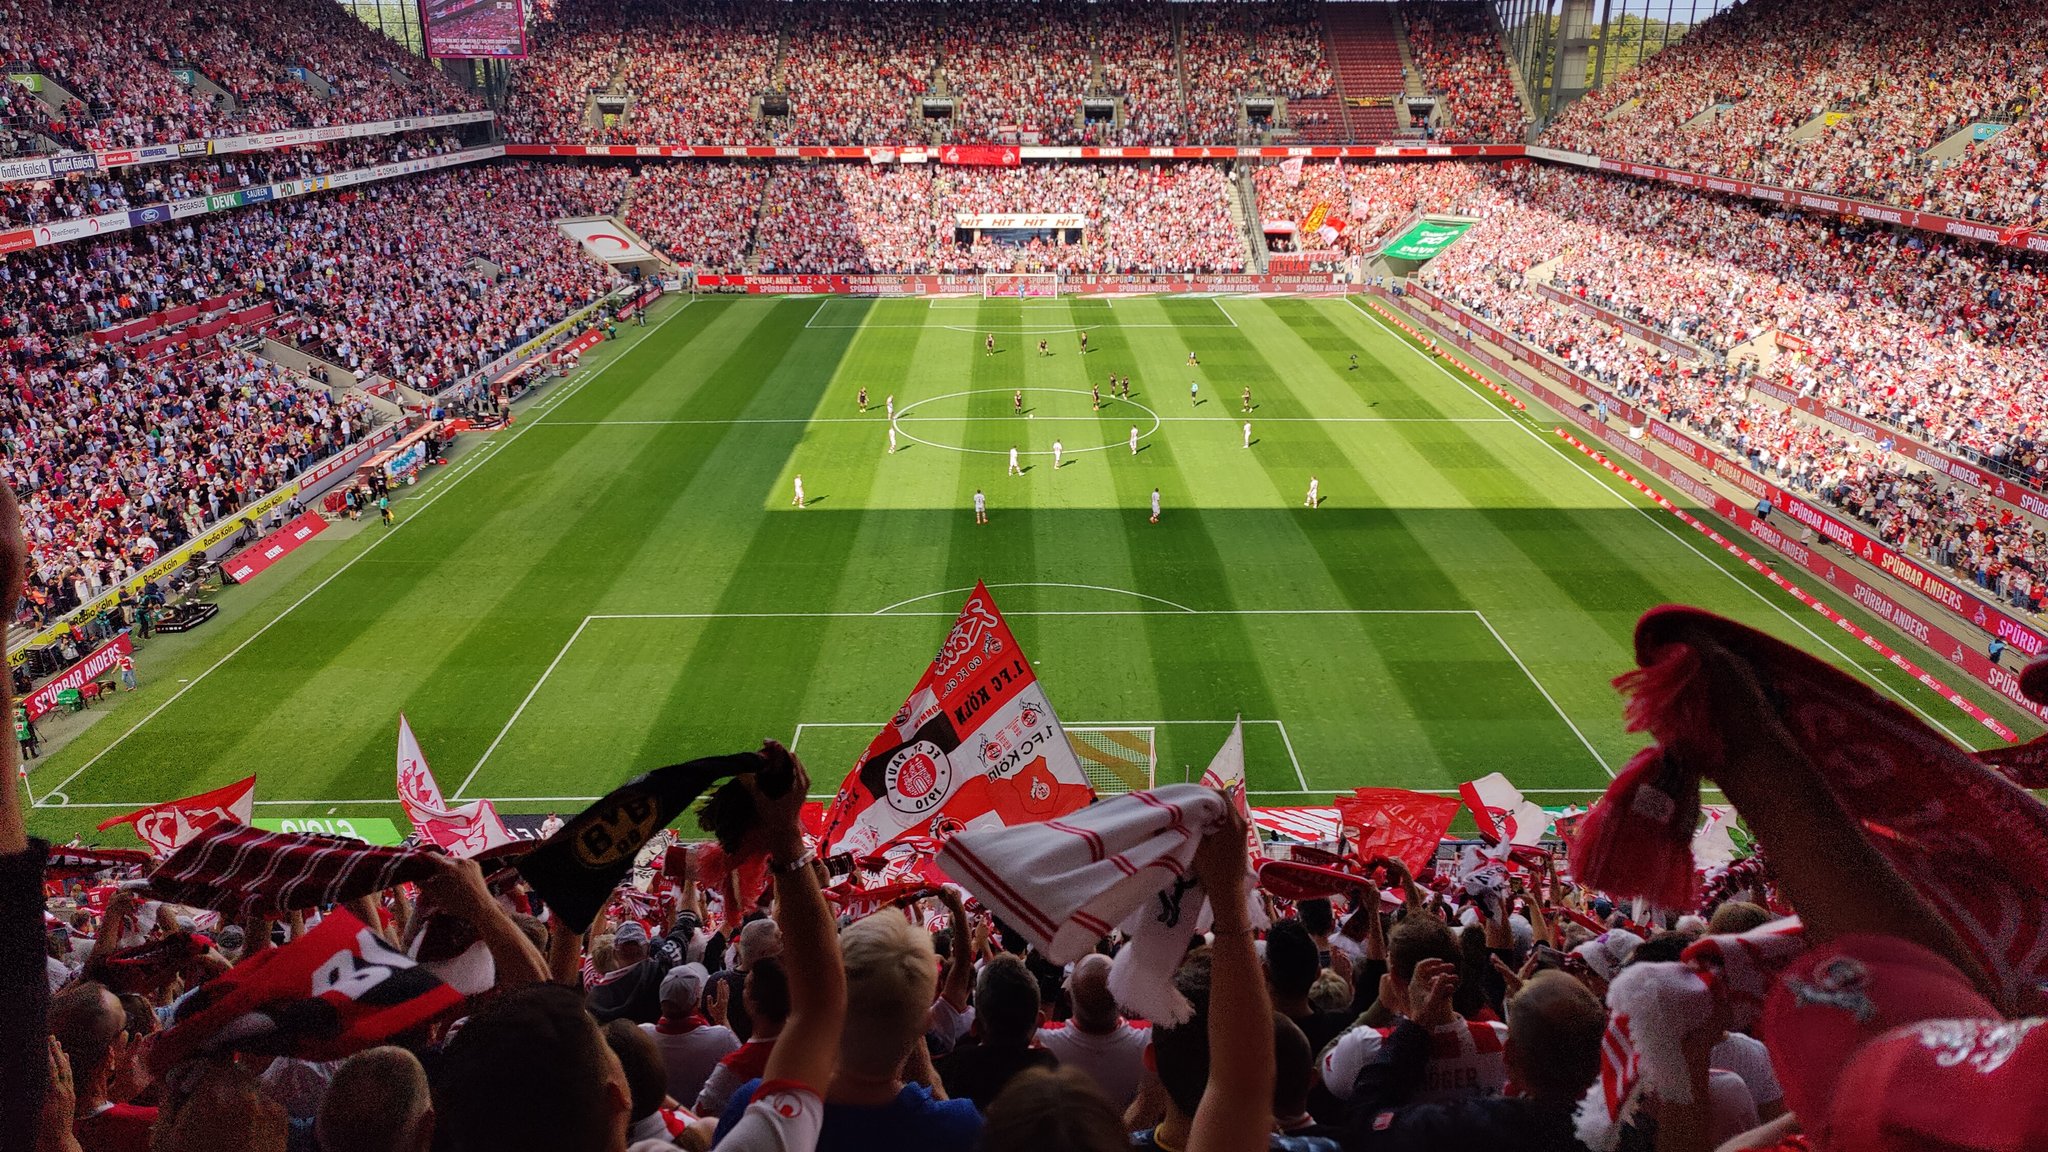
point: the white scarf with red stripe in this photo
(1123, 864)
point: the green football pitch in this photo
(621, 580)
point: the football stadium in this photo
(1181, 574)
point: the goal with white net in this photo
(1019, 285)
(1117, 760)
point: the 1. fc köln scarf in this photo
(333, 992)
(976, 745)
(166, 827)
(1972, 844)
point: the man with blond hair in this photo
(884, 1093)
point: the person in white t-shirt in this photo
(1314, 497)
(1015, 469)
(1098, 1041)
(1134, 439)
(1247, 433)
(1058, 449)
(799, 500)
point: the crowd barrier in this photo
(66, 163)
(105, 223)
(1816, 560)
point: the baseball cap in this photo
(631, 932)
(684, 985)
(1883, 1045)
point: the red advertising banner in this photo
(982, 155)
(246, 564)
(579, 345)
(102, 659)
(1921, 627)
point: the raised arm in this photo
(1237, 1105)
(808, 1050)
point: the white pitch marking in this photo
(1554, 706)
(1038, 584)
(1585, 471)
(444, 484)
(517, 712)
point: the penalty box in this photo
(1333, 698)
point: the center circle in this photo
(1063, 410)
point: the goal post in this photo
(1116, 760)
(1019, 285)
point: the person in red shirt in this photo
(91, 1026)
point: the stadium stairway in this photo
(1515, 76)
(1367, 55)
(1244, 209)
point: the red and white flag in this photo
(1291, 168)
(475, 827)
(1226, 771)
(166, 827)
(1502, 813)
(975, 746)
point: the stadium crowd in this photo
(1937, 339)
(119, 59)
(1850, 100)
(1459, 52)
(122, 449)
(699, 214)
(1481, 1000)
(902, 218)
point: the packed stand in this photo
(699, 215)
(1216, 60)
(1017, 69)
(693, 73)
(1134, 39)
(547, 98)
(92, 192)
(118, 57)
(1133, 976)
(1463, 61)
(861, 218)
(1895, 78)
(118, 461)
(854, 69)
(847, 218)
(1373, 199)
(1938, 340)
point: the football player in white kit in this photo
(1314, 498)
(1247, 433)
(1057, 449)
(799, 501)
(1134, 439)
(1014, 469)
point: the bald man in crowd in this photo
(1098, 1040)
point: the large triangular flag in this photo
(166, 827)
(416, 786)
(975, 745)
(1502, 813)
(1226, 771)
(466, 831)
